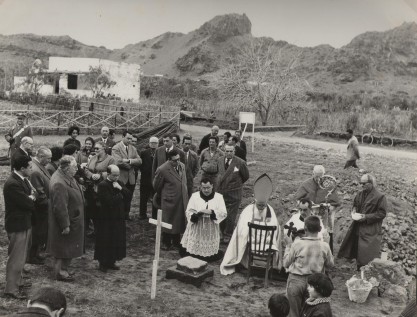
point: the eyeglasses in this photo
(98, 148)
(364, 183)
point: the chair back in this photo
(260, 239)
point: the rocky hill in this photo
(384, 62)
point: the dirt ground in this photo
(127, 292)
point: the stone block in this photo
(189, 278)
(191, 265)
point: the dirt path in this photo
(286, 137)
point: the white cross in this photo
(158, 224)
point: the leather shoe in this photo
(19, 296)
(36, 261)
(113, 267)
(63, 278)
(143, 217)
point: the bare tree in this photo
(256, 77)
(98, 79)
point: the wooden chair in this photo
(259, 248)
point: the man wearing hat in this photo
(146, 188)
(19, 131)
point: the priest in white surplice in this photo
(259, 213)
(205, 210)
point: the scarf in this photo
(316, 301)
(207, 198)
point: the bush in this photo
(352, 121)
(312, 121)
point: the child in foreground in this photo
(304, 257)
(319, 288)
(278, 305)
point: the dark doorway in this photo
(72, 81)
(56, 85)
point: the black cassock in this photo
(110, 223)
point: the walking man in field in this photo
(352, 150)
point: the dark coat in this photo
(232, 178)
(240, 153)
(66, 210)
(171, 190)
(110, 225)
(72, 141)
(40, 179)
(146, 167)
(161, 157)
(191, 169)
(15, 144)
(109, 144)
(51, 168)
(18, 153)
(369, 230)
(19, 207)
(319, 310)
(309, 189)
(204, 143)
(242, 145)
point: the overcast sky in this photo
(116, 23)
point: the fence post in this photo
(160, 114)
(59, 122)
(88, 123)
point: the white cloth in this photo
(299, 224)
(236, 250)
(203, 237)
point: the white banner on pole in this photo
(248, 118)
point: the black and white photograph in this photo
(208, 158)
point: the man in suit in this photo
(239, 152)
(161, 153)
(240, 142)
(40, 178)
(25, 149)
(109, 142)
(17, 133)
(171, 196)
(233, 173)
(191, 163)
(146, 188)
(205, 140)
(19, 200)
(127, 158)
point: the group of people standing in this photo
(55, 196)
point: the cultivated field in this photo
(127, 292)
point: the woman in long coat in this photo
(96, 172)
(66, 218)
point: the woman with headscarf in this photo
(73, 132)
(86, 151)
(66, 218)
(95, 172)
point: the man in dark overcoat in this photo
(40, 179)
(25, 149)
(146, 188)
(171, 195)
(363, 239)
(233, 173)
(161, 153)
(110, 222)
(191, 163)
(19, 200)
(66, 218)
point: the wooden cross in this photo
(158, 224)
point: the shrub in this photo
(352, 121)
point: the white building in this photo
(72, 77)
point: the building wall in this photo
(20, 86)
(126, 76)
